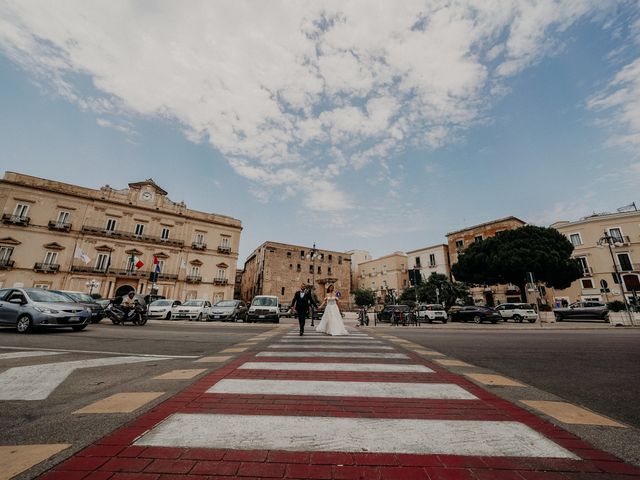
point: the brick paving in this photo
(115, 457)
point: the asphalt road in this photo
(598, 369)
(51, 420)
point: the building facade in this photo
(386, 275)
(60, 236)
(357, 257)
(279, 269)
(608, 248)
(428, 260)
(459, 240)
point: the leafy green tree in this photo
(439, 289)
(510, 255)
(364, 297)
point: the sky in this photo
(375, 125)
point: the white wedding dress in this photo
(331, 322)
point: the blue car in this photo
(29, 308)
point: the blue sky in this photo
(353, 127)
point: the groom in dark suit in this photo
(301, 303)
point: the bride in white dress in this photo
(331, 322)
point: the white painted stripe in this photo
(336, 367)
(36, 382)
(331, 347)
(354, 341)
(102, 352)
(293, 433)
(440, 391)
(318, 334)
(333, 354)
(4, 356)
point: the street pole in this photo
(312, 255)
(610, 241)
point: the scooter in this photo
(119, 316)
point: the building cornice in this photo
(485, 224)
(594, 219)
(444, 245)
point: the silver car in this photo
(229, 310)
(29, 308)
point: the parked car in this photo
(430, 312)
(264, 308)
(198, 310)
(583, 310)
(474, 314)
(387, 313)
(162, 308)
(97, 310)
(29, 308)
(229, 311)
(518, 312)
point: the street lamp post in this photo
(91, 285)
(611, 242)
(312, 256)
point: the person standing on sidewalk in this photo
(300, 305)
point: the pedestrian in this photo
(300, 305)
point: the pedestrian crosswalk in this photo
(311, 377)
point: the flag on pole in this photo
(136, 262)
(81, 255)
(156, 264)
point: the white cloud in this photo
(621, 100)
(286, 89)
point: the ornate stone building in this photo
(386, 275)
(459, 240)
(279, 269)
(608, 248)
(61, 236)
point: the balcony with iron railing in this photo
(132, 236)
(59, 226)
(220, 281)
(587, 271)
(6, 264)
(193, 279)
(121, 272)
(199, 246)
(46, 267)
(629, 267)
(224, 249)
(619, 240)
(19, 220)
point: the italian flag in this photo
(136, 262)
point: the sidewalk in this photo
(354, 407)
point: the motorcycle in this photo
(119, 316)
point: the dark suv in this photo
(386, 315)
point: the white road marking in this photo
(336, 367)
(333, 340)
(332, 354)
(36, 382)
(38, 353)
(101, 352)
(440, 391)
(332, 347)
(293, 433)
(317, 334)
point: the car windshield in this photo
(264, 302)
(226, 303)
(40, 295)
(193, 303)
(162, 303)
(78, 296)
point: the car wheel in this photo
(168, 317)
(517, 318)
(199, 319)
(96, 320)
(605, 317)
(558, 317)
(532, 320)
(477, 319)
(24, 324)
(78, 328)
(444, 320)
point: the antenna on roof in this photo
(628, 208)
